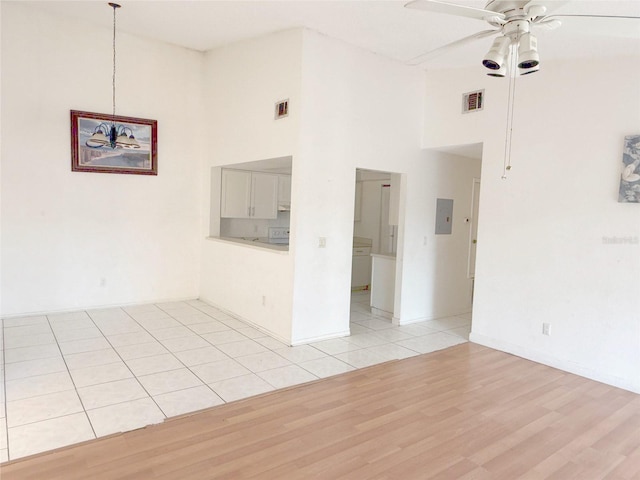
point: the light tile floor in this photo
(71, 377)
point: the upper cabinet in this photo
(235, 199)
(264, 195)
(284, 193)
(247, 194)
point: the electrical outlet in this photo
(322, 242)
(546, 327)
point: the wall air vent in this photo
(282, 109)
(473, 101)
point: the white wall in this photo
(362, 111)
(541, 252)
(72, 240)
(446, 289)
(349, 109)
(243, 82)
(359, 110)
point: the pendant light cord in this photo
(114, 63)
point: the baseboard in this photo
(286, 341)
(293, 343)
(433, 317)
(96, 307)
(331, 336)
(381, 313)
(554, 362)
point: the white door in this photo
(264, 200)
(473, 237)
(235, 194)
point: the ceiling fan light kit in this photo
(515, 51)
(513, 21)
(495, 57)
(527, 71)
(500, 73)
(528, 51)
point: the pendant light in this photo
(113, 135)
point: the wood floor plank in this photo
(467, 412)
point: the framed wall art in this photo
(106, 143)
(630, 177)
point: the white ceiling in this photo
(384, 27)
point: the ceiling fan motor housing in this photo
(509, 8)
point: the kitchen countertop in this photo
(360, 242)
(261, 243)
(387, 256)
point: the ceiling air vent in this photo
(473, 101)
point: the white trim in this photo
(96, 307)
(248, 322)
(435, 317)
(382, 313)
(331, 336)
(554, 362)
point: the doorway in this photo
(375, 240)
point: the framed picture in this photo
(113, 144)
(630, 177)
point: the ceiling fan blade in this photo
(593, 16)
(450, 46)
(452, 9)
(549, 6)
(617, 26)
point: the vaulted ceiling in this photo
(384, 27)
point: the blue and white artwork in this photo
(630, 178)
(139, 158)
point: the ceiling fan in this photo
(513, 21)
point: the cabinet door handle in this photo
(253, 211)
(248, 211)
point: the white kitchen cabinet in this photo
(235, 196)
(383, 279)
(284, 192)
(361, 267)
(247, 194)
(264, 195)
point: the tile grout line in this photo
(234, 358)
(231, 358)
(69, 372)
(172, 354)
(125, 363)
(199, 310)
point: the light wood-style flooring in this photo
(467, 412)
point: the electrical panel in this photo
(444, 216)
